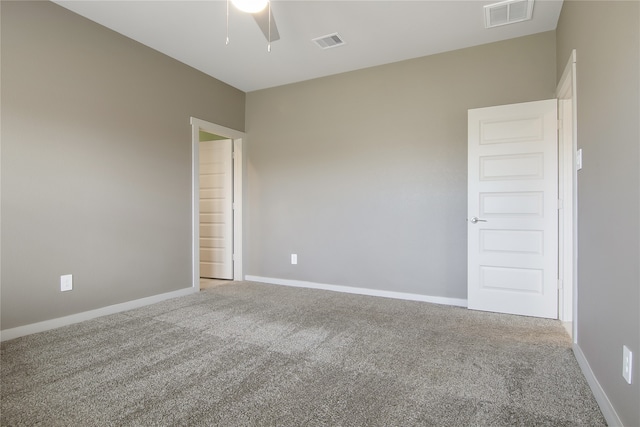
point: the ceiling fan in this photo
(261, 12)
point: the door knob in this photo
(475, 219)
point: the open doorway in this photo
(216, 203)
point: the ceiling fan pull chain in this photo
(227, 43)
(269, 44)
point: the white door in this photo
(513, 209)
(216, 209)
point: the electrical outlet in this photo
(294, 258)
(627, 360)
(66, 282)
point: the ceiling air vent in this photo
(329, 41)
(507, 12)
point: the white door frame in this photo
(568, 193)
(196, 126)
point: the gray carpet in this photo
(248, 354)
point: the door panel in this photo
(515, 242)
(513, 195)
(512, 205)
(522, 166)
(216, 209)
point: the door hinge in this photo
(560, 284)
(560, 204)
(559, 124)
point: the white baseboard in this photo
(46, 325)
(610, 414)
(360, 291)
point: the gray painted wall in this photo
(364, 174)
(606, 36)
(96, 163)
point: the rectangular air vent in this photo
(507, 12)
(329, 41)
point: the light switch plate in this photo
(294, 258)
(627, 361)
(579, 159)
(66, 282)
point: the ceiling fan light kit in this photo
(250, 6)
(263, 18)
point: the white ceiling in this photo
(376, 32)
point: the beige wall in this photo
(96, 166)
(606, 36)
(364, 174)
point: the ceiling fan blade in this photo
(262, 19)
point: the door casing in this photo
(568, 179)
(238, 137)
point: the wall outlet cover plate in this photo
(66, 282)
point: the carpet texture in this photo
(248, 354)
